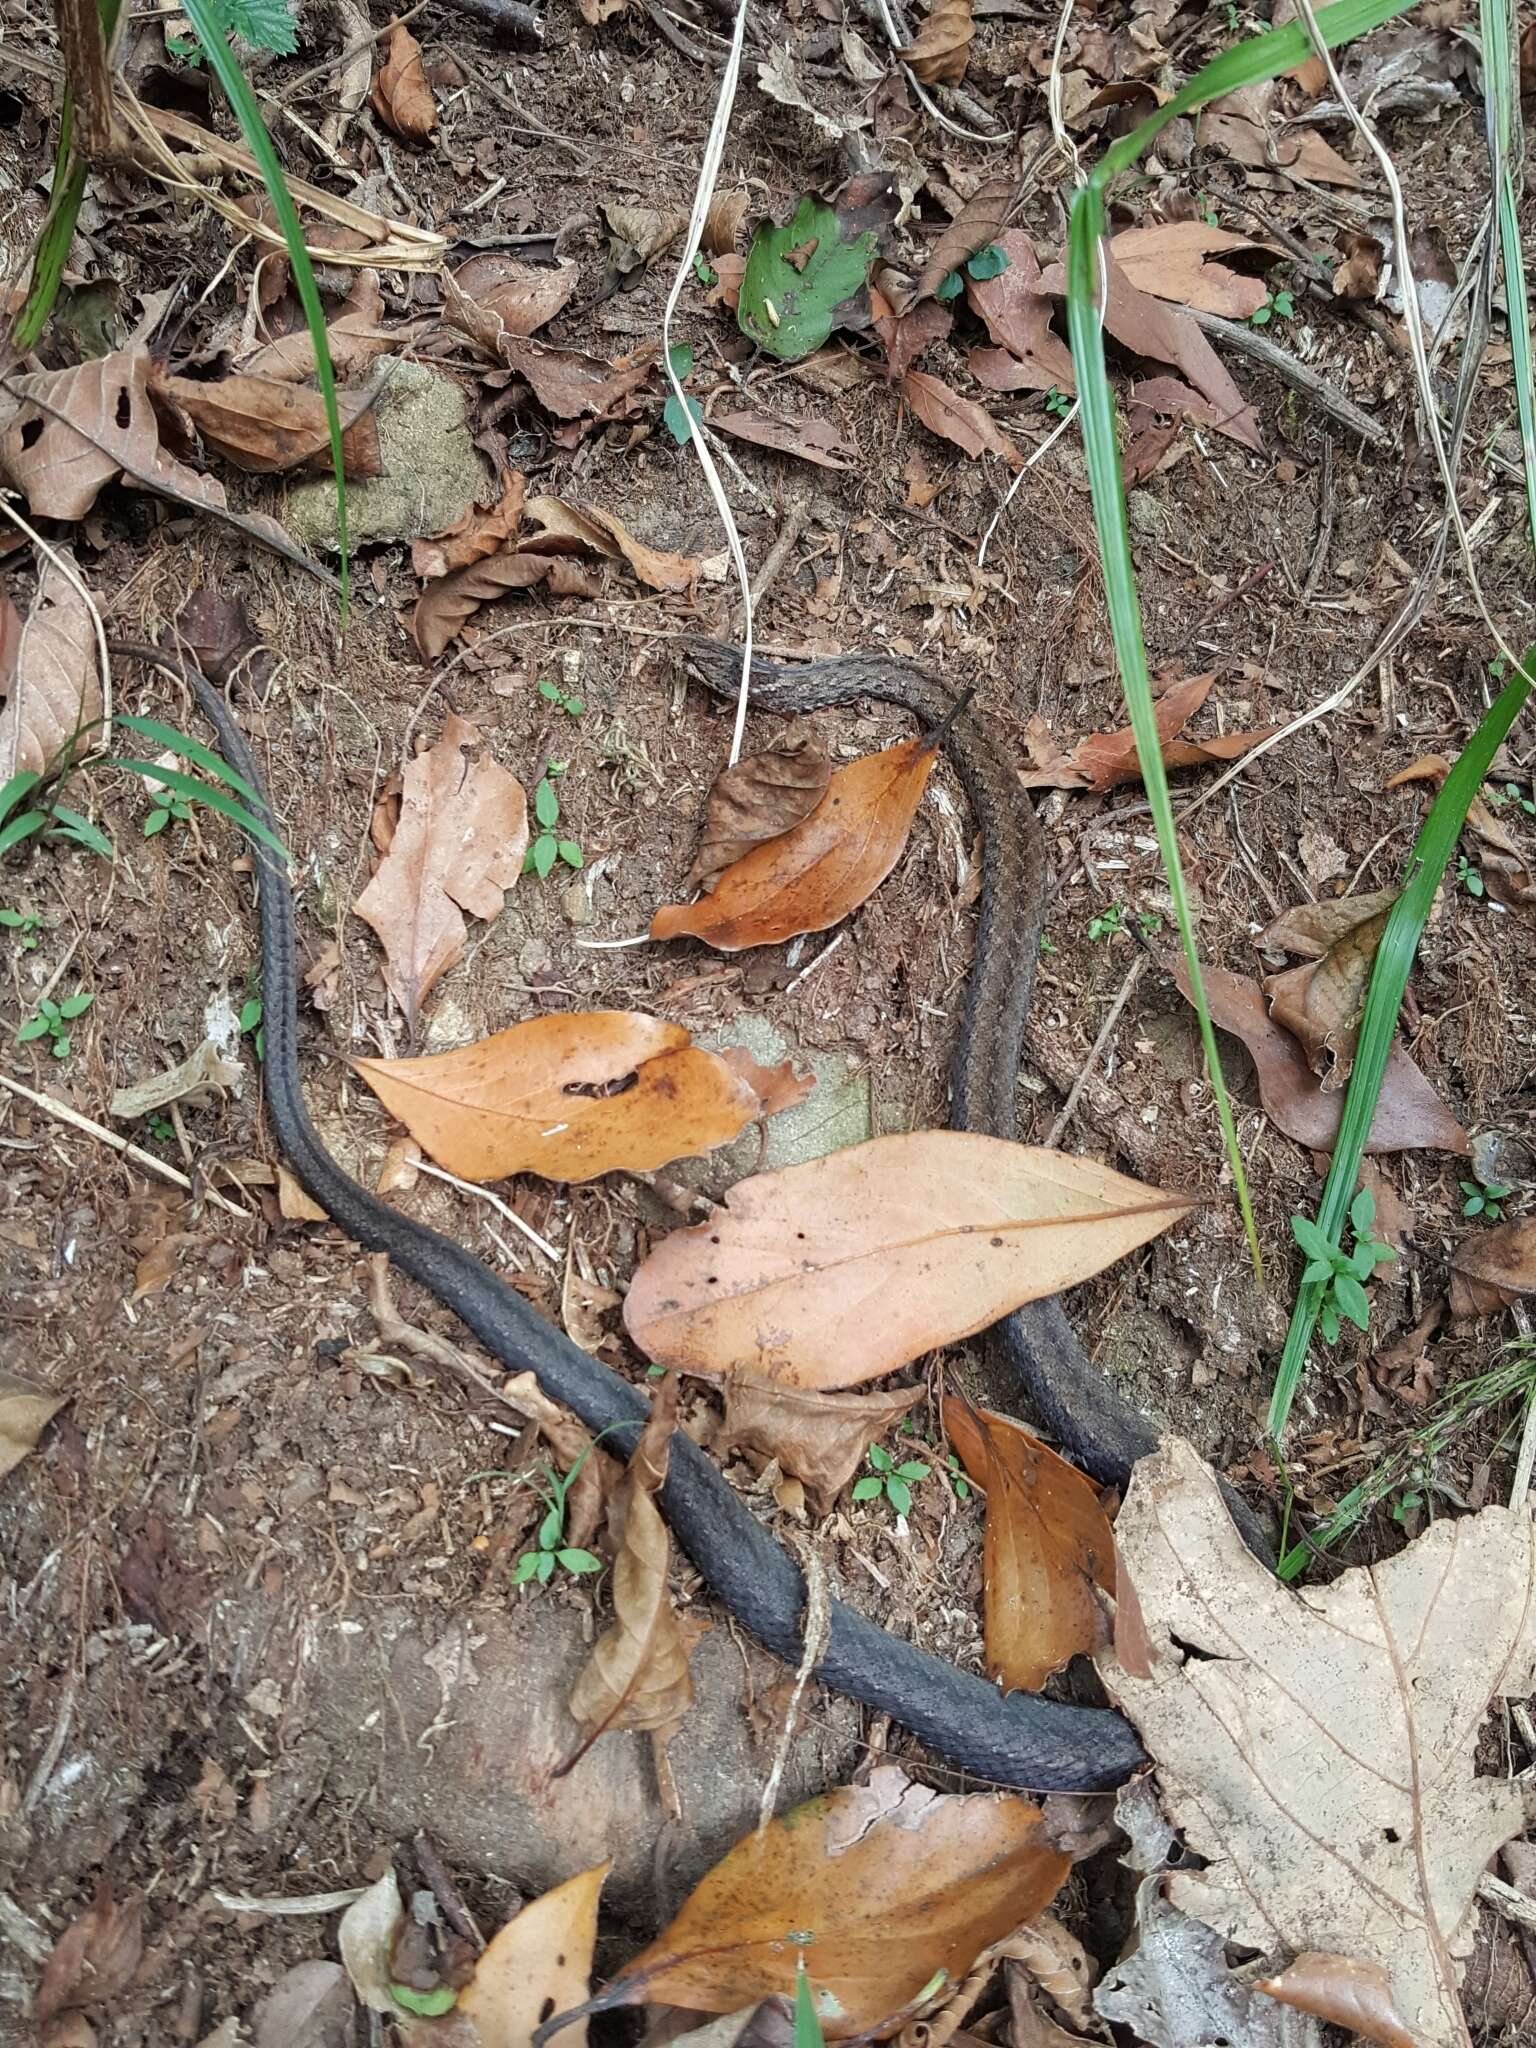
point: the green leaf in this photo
(804, 294)
(1261, 315)
(913, 1469)
(866, 1489)
(265, 25)
(880, 1458)
(1283, 304)
(1319, 1269)
(551, 1526)
(678, 423)
(950, 286)
(12, 920)
(1312, 1240)
(570, 853)
(702, 271)
(808, 2032)
(1352, 1299)
(899, 1494)
(204, 793)
(156, 822)
(579, 1560)
(21, 828)
(680, 359)
(33, 1028)
(19, 786)
(176, 742)
(61, 1045)
(429, 2004)
(70, 825)
(1328, 1316)
(989, 262)
(1473, 1205)
(1362, 1212)
(250, 1013)
(1364, 1260)
(76, 1005)
(544, 1565)
(543, 853)
(525, 1567)
(546, 805)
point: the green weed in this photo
(52, 1021)
(553, 694)
(1339, 1275)
(1057, 402)
(259, 24)
(886, 1477)
(1468, 877)
(1278, 306)
(26, 924)
(551, 1551)
(547, 846)
(1484, 1197)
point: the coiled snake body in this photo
(1014, 1739)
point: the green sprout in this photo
(547, 847)
(1341, 1273)
(26, 924)
(1278, 306)
(893, 1480)
(550, 1547)
(51, 1020)
(1484, 1197)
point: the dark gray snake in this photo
(1014, 1739)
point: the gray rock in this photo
(310, 2007)
(837, 1112)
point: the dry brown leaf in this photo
(1180, 260)
(1052, 1957)
(815, 441)
(1349, 1994)
(401, 96)
(830, 1273)
(1494, 1268)
(777, 1087)
(271, 426)
(522, 298)
(942, 47)
(570, 384)
(568, 1096)
(595, 12)
(1409, 1115)
(601, 533)
(978, 224)
(1049, 1550)
(961, 420)
(1504, 867)
(539, 1963)
(458, 846)
(729, 269)
(25, 1412)
(1310, 930)
(1172, 1987)
(10, 643)
(906, 336)
(1359, 274)
(637, 235)
(355, 338)
(884, 1884)
(812, 876)
(94, 1958)
(446, 606)
(722, 223)
(818, 1438)
(763, 796)
(57, 689)
(1320, 1002)
(482, 531)
(1302, 150)
(1029, 355)
(1374, 1849)
(157, 1268)
(293, 1204)
(637, 1675)
(1105, 759)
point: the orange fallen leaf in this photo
(1105, 759)
(1028, 354)
(957, 419)
(596, 532)
(1049, 1549)
(521, 297)
(569, 1097)
(815, 441)
(401, 95)
(814, 875)
(95, 1957)
(539, 1963)
(458, 846)
(447, 605)
(57, 688)
(271, 426)
(1252, 142)
(879, 1887)
(833, 1272)
(482, 531)
(1346, 1993)
(1179, 260)
(1504, 868)
(978, 223)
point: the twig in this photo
(146, 1160)
(673, 34)
(898, 39)
(469, 1187)
(1095, 1053)
(1319, 560)
(1248, 341)
(1506, 1900)
(345, 55)
(513, 22)
(796, 520)
(444, 1890)
(818, 1626)
(64, 1716)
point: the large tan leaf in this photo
(762, 797)
(957, 419)
(446, 606)
(942, 47)
(539, 1963)
(812, 876)
(568, 1096)
(637, 1675)
(271, 425)
(57, 687)
(1320, 1749)
(1320, 1002)
(1492, 1268)
(482, 531)
(876, 1887)
(519, 296)
(355, 338)
(1029, 354)
(601, 533)
(1049, 1549)
(819, 1439)
(401, 95)
(831, 1273)
(25, 1412)
(1181, 260)
(458, 846)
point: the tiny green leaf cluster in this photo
(260, 24)
(887, 1477)
(550, 1547)
(1342, 1274)
(678, 423)
(985, 264)
(547, 846)
(1485, 1198)
(51, 1020)
(1278, 306)
(26, 924)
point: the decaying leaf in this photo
(522, 298)
(1180, 260)
(568, 1096)
(1105, 759)
(1505, 869)
(355, 337)
(905, 337)
(458, 847)
(401, 96)
(1320, 1002)
(978, 223)
(446, 606)
(1349, 1994)
(819, 1439)
(25, 1412)
(835, 1271)
(637, 1675)
(1173, 1988)
(1493, 1268)
(1409, 1115)
(637, 235)
(1029, 355)
(961, 420)
(566, 382)
(941, 49)
(57, 688)
(365, 1936)
(763, 796)
(94, 1958)
(592, 531)
(798, 275)
(1374, 1849)
(815, 441)
(310, 2006)
(1049, 1549)
(826, 866)
(484, 530)
(272, 426)
(1250, 138)
(201, 1071)
(1051, 1956)
(539, 1963)
(1359, 274)
(883, 1884)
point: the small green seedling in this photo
(1151, 924)
(167, 808)
(1057, 402)
(678, 423)
(430, 2005)
(552, 693)
(957, 1478)
(1485, 1198)
(702, 271)
(251, 1014)
(547, 848)
(262, 24)
(1278, 306)
(893, 1480)
(1107, 924)
(985, 264)
(1468, 877)
(26, 924)
(550, 1547)
(161, 1129)
(1342, 1273)
(51, 1020)
(1511, 793)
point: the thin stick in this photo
(469, 1187)
(1319, 560)
(345, 56)
(898, 41)
(146, 1160)
(1506, 1900)
(818, 1626)
(1247, 341)
(1095, 1053)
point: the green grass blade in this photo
(1506, 127)
(70, 825)
(205, 20)
(1378, 1021)
(21, 828)
(808, 2032)
(178, 743)
(20, 785)
(204, 793)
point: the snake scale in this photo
(1015, 1739)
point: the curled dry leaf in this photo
(1049, 1550)
(1174, 1989)
(815, 441)
(539, 1963)
(1494, 1268)
(484, 530)
(1343, 1991)
(884, 1885)
(271, 426)
(978, 223)
(813, 875)
(401, 96)
(446, 606)
(819, 1439)
(1359, 274)
(310, 2006)
(1053, 1957)
(57, 687)
(25, 1412)
(961, 420)
(523, 298)
(458, 846)
(763, 796)
(1409, 1115)
(1320, 1002)
(592, 531)
(1105, 759)
(94, 1959)
(1504, 868)
(1180, 260)
(941, 49)
(833, 1272)
(1029, 355)
(568, 1096)
(1252, 141)
(355, 338)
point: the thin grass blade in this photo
(20, 785)
(21, 828)
(1506, 145)
(197, 792)
(70, 825)
(178, 743)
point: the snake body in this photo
(1014, 1739)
